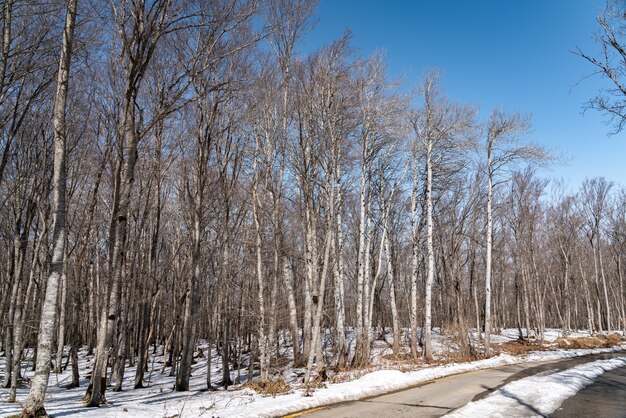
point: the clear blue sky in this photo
(511, 54)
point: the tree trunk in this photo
(339, 292)
(61, 331)
(607, 306)
(39, 382)
(414, 263)
(293, 314)
(362, 335)
(392, 285)
(264, 346)
(428, 355)
(488, 250)
(191, 306)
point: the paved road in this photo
(606, 397)
(437, 398)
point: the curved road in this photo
(604, 398)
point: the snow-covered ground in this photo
(159, 400)
(550, 335)
(538, 395)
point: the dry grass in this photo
(269, 387)
(461, 357)
(519, 347)
(595, 341)
(400, 358)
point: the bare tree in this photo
(504, 149)
(595, 195)
(442, 129)
(34, 404)
(610, 64)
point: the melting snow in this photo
(538, 395)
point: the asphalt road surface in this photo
(605, 398)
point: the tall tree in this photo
(442, 129)
(35, 403)
(141, 28)
(504, 149)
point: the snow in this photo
(159, 400)
(550, 335)
(538, 395)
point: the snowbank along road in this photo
(593, 385)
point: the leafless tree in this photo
(34, 405)
(441, 128)
(609, 64)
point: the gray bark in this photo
(34, 405)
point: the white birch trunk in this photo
(392, 284)
(428, 355)
(318, 303)
(18, 321)
(414, 263)
(263, 343)
(39, 382)
(61, 331)
(339, 292)
(605, 291)
(359, 359)
(377, 275)
(488, 249)
(293, 313)
(309, 287)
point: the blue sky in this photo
(510, 54)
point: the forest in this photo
(176, 171)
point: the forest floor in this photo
(385, 374)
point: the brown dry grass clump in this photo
(596, 341)
(519, 347)
(401, 358)
(461, 357)
(269, 387)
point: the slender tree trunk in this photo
(293, 314)
(362, 334)
(18, 321)
(17, 317)
(607, 306)
(620, 275)
(310, 232)
(428, 355)
(6, 50)
(392, 284)
(74, 343)
(566, 294)
(191, 303)
(318, 303)
(39, 382)
(123, 332)
(15, 271)
(377, 275)
(339, 277)
(590, 315)
(61, 331)
(263, 341)
(488, 250)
